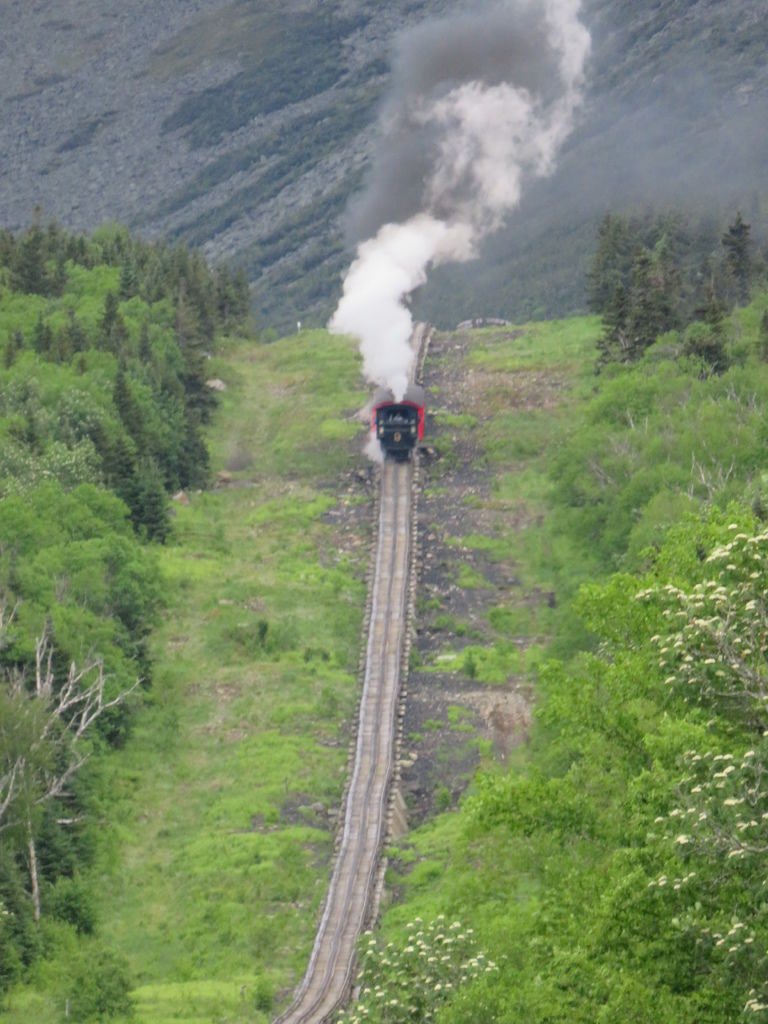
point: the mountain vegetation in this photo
(611, 870)
(103, 397)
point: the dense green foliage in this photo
(102, 398)
(615, 871)
(657, 274)
(215, 813)
(659, 440)
(104, 368)
(639, 824)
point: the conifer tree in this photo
(127, 409)
(78, 339)
(145, 346)
(194, 463)
(42, 338)
(613, 345)
(29, 271)
(113, 330)
(129, 280)
(611, 263)
(13, 346)
(119, 467)
(738, 256)
(649, 313)
(150, 509)
(192, 343)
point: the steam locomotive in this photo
(398, 426)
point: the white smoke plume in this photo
(481, 104)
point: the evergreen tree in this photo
(61, 350)
(119, 467)
(13, 346)
(712, 310)
(192, 343)
(150, 513)
(611, 263)
(42, 338)
(129, 280)
(232, 297)
(127, 409)
(59, 278)
(613, 345)
(649, 313)
(76, 249)
(194, 463)
(78, 339)
(145, 346)
(29, 271)
(7, 248)
(738, 256)
(113, 330)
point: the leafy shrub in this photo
(99, 988)
(72, 901)
(408, 981)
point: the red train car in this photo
(398, 426)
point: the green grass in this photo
(289, 415)
(550, 344)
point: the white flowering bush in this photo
(714, 654)
(726, 805)
(720, 832)
(715, 649)
(22, 469)
(407, 981)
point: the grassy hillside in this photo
(218, 815)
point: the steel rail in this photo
(328, 980)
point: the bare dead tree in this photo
(55, 715)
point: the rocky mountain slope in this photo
(245, 128)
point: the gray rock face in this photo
(244, 128)
(81, 131)
(112, 113)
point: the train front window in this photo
(397, 417)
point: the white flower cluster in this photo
(715, 650)
(21, 468)
(726, 805)
(406, 982)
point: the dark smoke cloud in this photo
(494, 46)
(481, 106)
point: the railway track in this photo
(353, 892)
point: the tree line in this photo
(110, 312)
(663, 275)
(104, 345)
